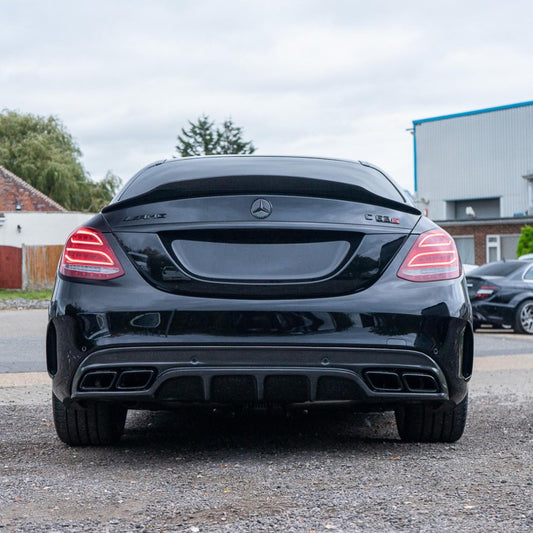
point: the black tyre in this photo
(98, 424)
(524, 318)
(424, 423)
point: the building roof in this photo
(15, 191)
(525, 220)
(475, 112)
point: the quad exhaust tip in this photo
(134, 379)
(397, 381)
(420, 382)
(126, 380)
(384, 381)
(98, 381)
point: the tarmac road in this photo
(22, 340)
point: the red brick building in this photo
(17, 195)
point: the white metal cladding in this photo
(475, 156)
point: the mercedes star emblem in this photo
(261, 208)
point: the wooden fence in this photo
(39, 266)
(10, 267)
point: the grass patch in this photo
(6, 294)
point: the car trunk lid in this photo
(335, 240)
(482, 287)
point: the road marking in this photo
(24, 379)
(503, 362)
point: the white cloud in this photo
(343, 78)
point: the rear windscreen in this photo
(497, 269)
(272, 173)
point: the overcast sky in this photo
(332, 78)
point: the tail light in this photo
(88, 255)
(432, 257)
(485, 291)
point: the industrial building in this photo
(473, 174)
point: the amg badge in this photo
(382, 218)
(147, 216)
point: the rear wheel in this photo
(524, 318)
(98, 424)
(424, 423)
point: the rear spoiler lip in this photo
(262, 186)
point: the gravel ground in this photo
(266, 472)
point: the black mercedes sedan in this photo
(502, 295)
(259, 282)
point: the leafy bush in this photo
(525, 243)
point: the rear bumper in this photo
(326, 346)
(491, 313)
(277, 375)
(166, 376)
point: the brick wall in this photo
(15, 191)
(480, 232)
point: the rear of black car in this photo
(501, 294)
(259, 281)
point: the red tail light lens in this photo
(485, 291)
(88, 255)
(433, 257)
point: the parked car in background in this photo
(245, 281)
(502, 295)
(526, 257)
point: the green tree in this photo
(43, 153)
(204, 138)
(525, 242)
(100, 193)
